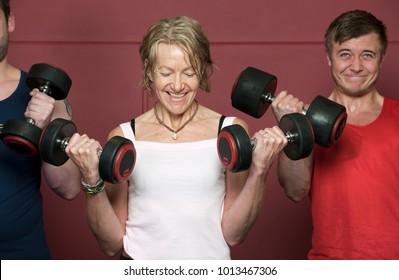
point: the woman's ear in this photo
(150, 76)
(149, 72)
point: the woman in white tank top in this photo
(179, 202)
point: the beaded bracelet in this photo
(97, 187)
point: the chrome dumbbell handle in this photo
(45, 89)
(269, 98)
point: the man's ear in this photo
(382, 60)
(11, 22)
(328, 60)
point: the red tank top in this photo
(355, 192)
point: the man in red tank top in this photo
(353, 185)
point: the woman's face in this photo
(174, 80)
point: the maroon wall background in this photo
(97, 42)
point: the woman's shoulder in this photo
(209, 114)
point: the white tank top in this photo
(176, 195)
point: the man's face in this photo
(355, 64)
(6, 26)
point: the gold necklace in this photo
(174, 132)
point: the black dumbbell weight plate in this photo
(51, 141)
(328, 120)
(21, 136)
(41, 74)
(250, 89)
(234, 148)
(301, 143)
(117, 160)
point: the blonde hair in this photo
(185, 32)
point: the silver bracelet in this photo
(97, 187)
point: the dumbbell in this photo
(23, 136)
(254, 90)
(117, 159)
(235, 148)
